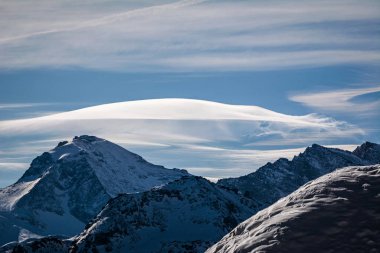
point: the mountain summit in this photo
(67, 186)
(276, 180)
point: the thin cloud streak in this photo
(340, 100)
(191, 36)
(15, 166)
(21, 105)
(105, 20)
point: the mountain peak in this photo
(275, 180)
(117, 169)
(75, 179)
(368, 151)
(315, 148)
(368, 145)
(87, 138)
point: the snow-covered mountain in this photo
(276, 180)
(67, 186)
(186, 215)
(339, 212)
(368, 151)
(190, 213)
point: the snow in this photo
(25, 234)
(123, 172)
(10, 195)
(275, 180)
(332, 213)
(148, 207)
(67, 186)
(190, 212)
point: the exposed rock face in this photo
(339, 212)
(276, 180)
(180, 212)
(368, 151)
(67, 186)
(186, 215)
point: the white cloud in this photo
(170, 114)
(340, 100)
(14, 166)
(21, 105)
(188, 35)
(182, 133)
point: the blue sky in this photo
(319, 58)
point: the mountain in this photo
(276, 180)
(368, 151)
(190, 213)
(186, 215)
(339, 212)
(67, 186)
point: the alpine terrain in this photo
(338, 212)
(276, 180)
(185, 213)
(67, 186)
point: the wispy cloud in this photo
(21, 105)
(340, 100)
(230, 140)
(14, 166)
(188, 35)
(11, 171)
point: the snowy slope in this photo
(276, 180)
(67, 186)
(339, 212)
(186, 215)
(189, 214)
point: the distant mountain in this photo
(67, 186)
(369, 152)
(276, 180)
(339, 212)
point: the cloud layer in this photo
(208, 138)
(191, 35)
(341, 100)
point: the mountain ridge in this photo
(186, 215)
(276, 180)
(73, 181)
(338, 212)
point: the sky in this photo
(226, 85)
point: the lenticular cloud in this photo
(186, 133)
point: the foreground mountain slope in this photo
(67, 186)
(276, 180)
(339, 212)
(186, 215)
